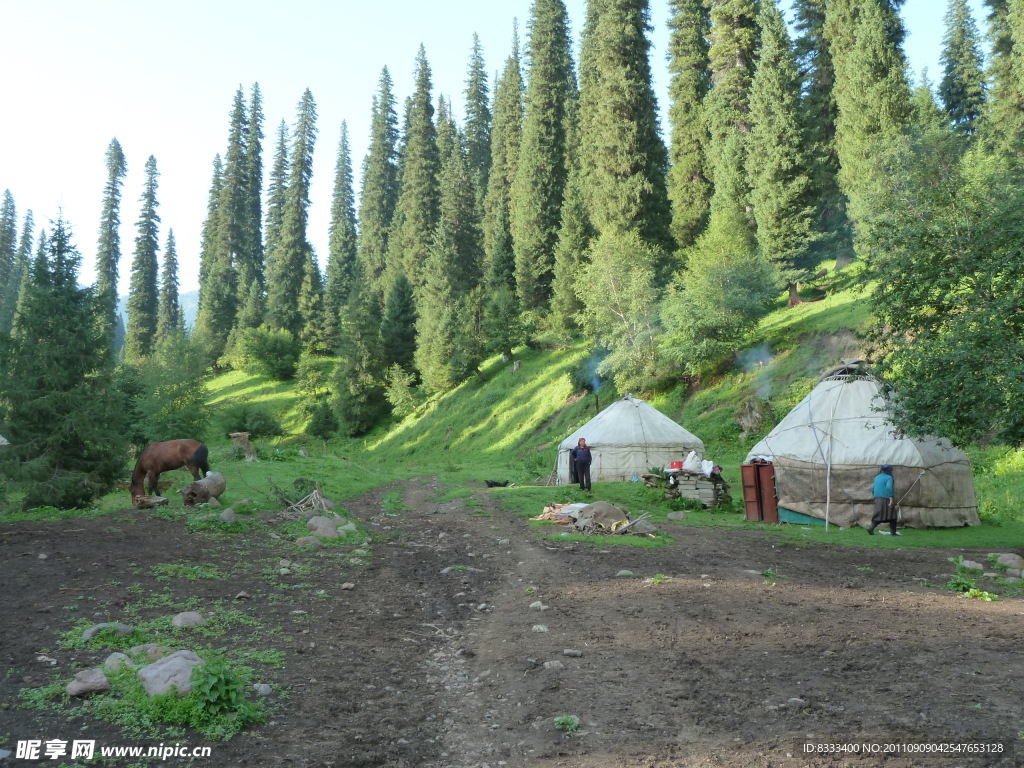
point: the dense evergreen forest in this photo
(556, 211)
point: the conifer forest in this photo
(559, 209)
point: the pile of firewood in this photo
(687, 485)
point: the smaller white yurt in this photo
(827, 451)
(628, 438)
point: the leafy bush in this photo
(246, 417)
(217, 687)
(267, 352)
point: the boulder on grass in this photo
(88, 681)
(172, 672)
(202, 491)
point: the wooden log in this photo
(201, 491)
(148, 502)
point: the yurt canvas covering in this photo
(628, 438)
(840, 425)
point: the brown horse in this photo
(163, 457)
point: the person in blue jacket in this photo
(582, 457)
(885, 501)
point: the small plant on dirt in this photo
(568, 724)
(769, 573)
(961, 584)
(218, 686)
(530, 589)
(979, 594)
(658, 578)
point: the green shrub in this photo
(266, 352)
(246, 417)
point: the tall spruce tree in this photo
(276, 193)
(478, 122)
(8, 235)
(358, 378)
(209, 230)
(17, 276)
(506, 135)
(108, 248)
(541, 171)
(140, 332)
(293, 255)
(777, 165)
(341, 261)
(624, 159)
(379, 189)
(61, 415)
(962, 88)
(689, 187)
(169, 317)
(398, 325)
(926, 114)
(250, 263)
(1005, 102)
(417, 210)
(726, 107)
(872, 94)
(819, 108)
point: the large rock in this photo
(88, 681)
(324, 527)
(95, 629)
(188, 619)
(115, 661)
(153, 651)
(171, 672)
(1011, 561)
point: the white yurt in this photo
(628, 438)
(827, 451)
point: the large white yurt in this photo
(628, 438)
(827, 451)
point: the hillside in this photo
(506, 425)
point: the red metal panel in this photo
(751, 502)
(766, 492)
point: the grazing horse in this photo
(163, 457)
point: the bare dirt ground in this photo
(717, 665)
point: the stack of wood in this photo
(678, 483)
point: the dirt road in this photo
(440, 657)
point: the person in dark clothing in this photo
(582, 457)
(885, 501)
(573, 477)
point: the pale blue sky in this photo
(161, 78)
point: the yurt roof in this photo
(844, 421)
(632, 422)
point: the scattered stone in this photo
(556, 664)
(117, 660)
(990, 575)
(537, 605)
(680, 515)
(88, 681)
(274, 535)
(188, 619)
(243, 595)
(228, 515)
(323, 527)
(285, 563)
(42, 556)
(308, 541)
(263, 689)
(347, 528)
(44, 659)
(572, 652)
(359, 553)
(1011, 561)
(213, 504)
(540, 628)
(348, 585)
(796, 703)
(174, 671)
(95, 629)
(153, 651)
(284, 571)
(624, 572)
(970, 565)
(1013, 573)
(503, 542)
